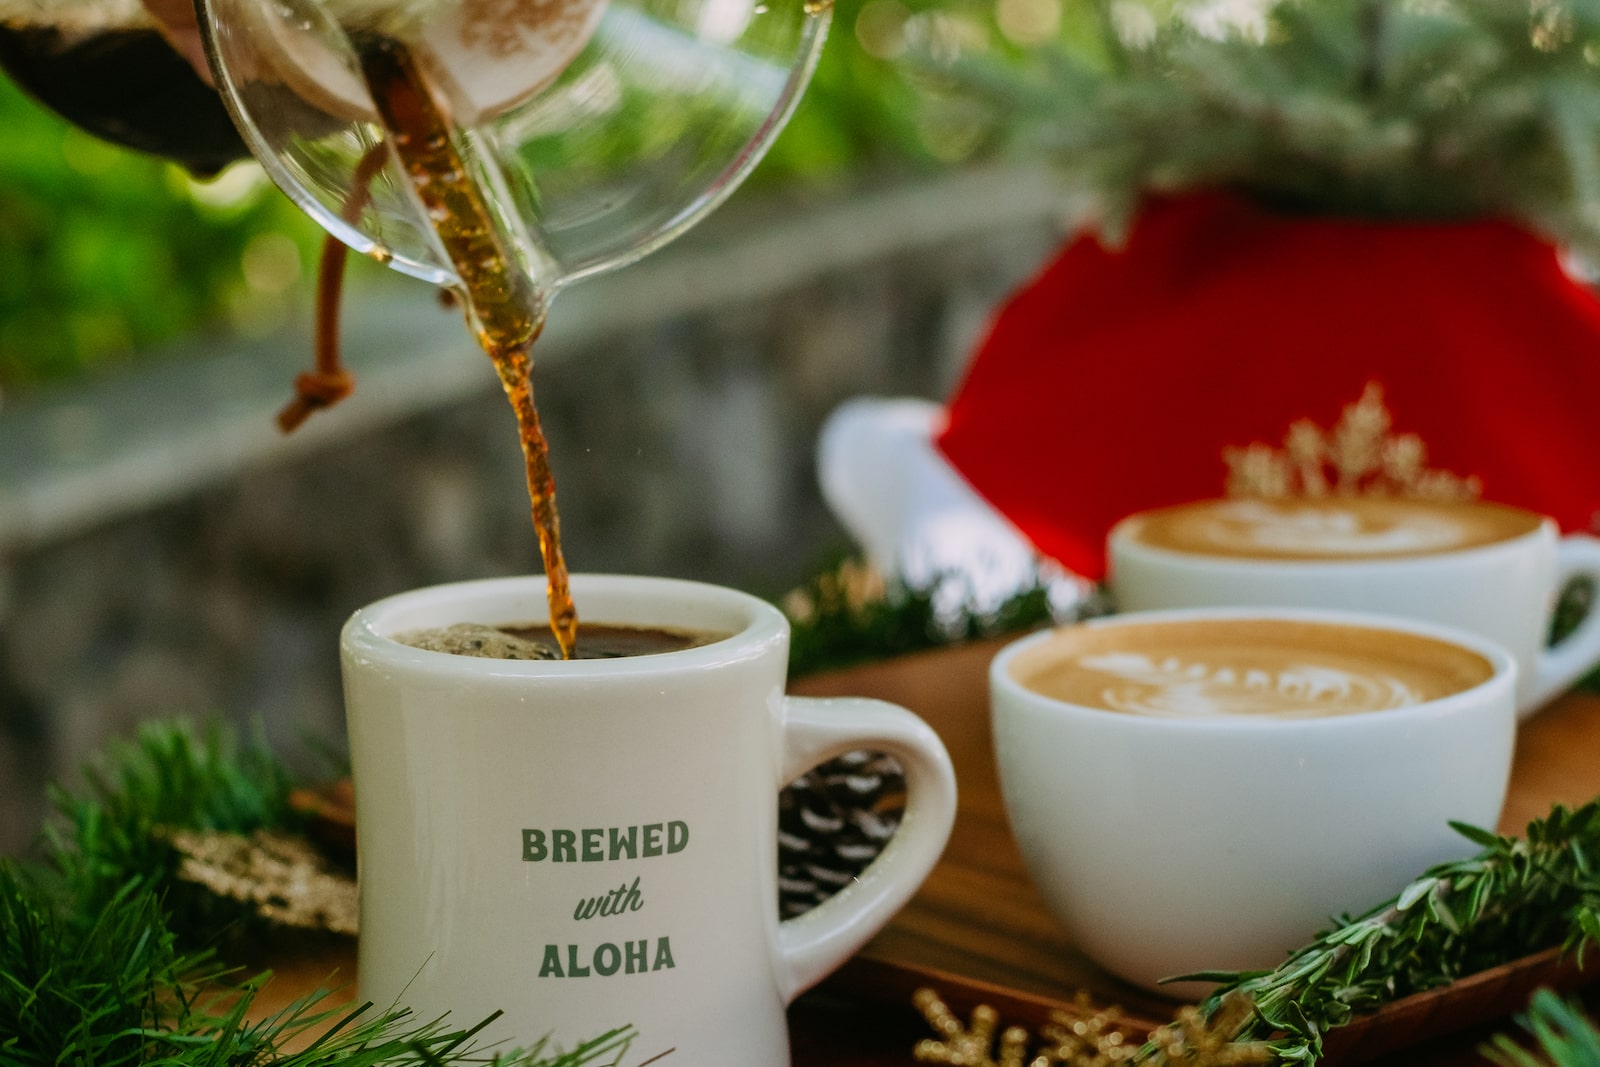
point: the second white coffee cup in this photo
(1184, 840)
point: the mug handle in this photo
(818, 729)
(1560, 665)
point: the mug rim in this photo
(1503, 670)
(368, 631)
(1120, 540)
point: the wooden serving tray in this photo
(979, 932)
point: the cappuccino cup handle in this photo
(814, 944)
(1560, 665)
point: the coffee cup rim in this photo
(753, 624)
(1503, 666)
(1120, 539)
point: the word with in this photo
(623, 898)
(607, 959)
(591, 845)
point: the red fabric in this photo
(1114, 380)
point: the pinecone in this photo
(832, 822)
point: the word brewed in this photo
(1339, 528)
(633, 957)
(1277, 668)
(601, 844)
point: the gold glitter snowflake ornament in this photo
(1086, 1037)
(1089, 1036)
(967, 1046)
(1358, 457)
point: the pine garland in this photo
(845, 614)
(107, 960)
(170, 776)
(1565, 1036)
(111, 987)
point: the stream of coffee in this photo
(503, 304)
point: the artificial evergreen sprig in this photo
(172, 775)
(1516, 896)
(1564, 1036)
(84, 986)
(847, 614)
(106, 960)
(112, 987)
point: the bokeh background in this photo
(165, 552)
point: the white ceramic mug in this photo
(1505, 591)
(1169, 846)
(498, 801)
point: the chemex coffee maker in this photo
(588, 132)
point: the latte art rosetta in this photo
(1244, 667)
(1330, 528)
(1171, 687)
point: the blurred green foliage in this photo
(104, 251)
(859, 114)
(889, 95)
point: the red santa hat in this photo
(1116, 379)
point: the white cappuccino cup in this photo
(1205, 790)
(1493, 570)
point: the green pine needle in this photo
(172, 775)
(112, 988)
(1564, 1035)
(106, 960)
(839, 619)
(85, 987)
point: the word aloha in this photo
(596, 844)
(607, 959)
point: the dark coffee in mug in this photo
(528, 640)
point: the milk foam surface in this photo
(1336, 528)
(1246, 667)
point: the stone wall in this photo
(163, 553)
